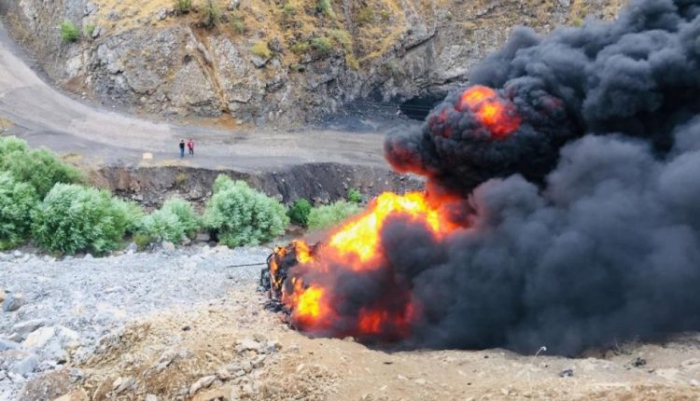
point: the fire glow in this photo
(497, 114)
(355, 248)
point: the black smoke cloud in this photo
(587, 218)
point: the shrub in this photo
(352, 62)
(69, 32)
(299, 212)
(212, 14)
(260, 49)
(324, 7)
(289, 10)
(175, 220)
(183, 6)
(142, 240)
(299, 47)
(131, 212)
(342, 37)
(322, 45)
(239, 215)
(17, 200)
(238, 25)
(354, 196)
(323, 217)
(39, 168)
(365, 15)
(73, 218)
(89, 30)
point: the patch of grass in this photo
(238, 25)
(385, 14)
(180, 179)
(289, 10)
(327, 216)
(142, 240)
(322, 45)
(296, 67)
(342, 37)
(69, 32)
(577, 22)
(324, 7)
(212, 15)
(261, 49)
(89, 30)
(364, 16)
(352, 62)
(183, 6)
(299, 47)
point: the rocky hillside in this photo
(273, 61)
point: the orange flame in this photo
(356, 247)
(497, 114)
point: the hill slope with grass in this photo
(272, 61)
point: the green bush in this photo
(175, 220)
(324, 7)
(17, 200)
(299, 47)
(260, 49)
(131, 212)
(323, 217)
(89, 30)
(289, 10)
(73, 218)
(212, 14)
(322, 45)
(354, 196)
(238, 25)
(239, 215)
(299, 212)
(39, 168)
(342, 37)
(69, 32)
(183, 6)
(142, 240)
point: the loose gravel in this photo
(66, 306)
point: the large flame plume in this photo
(561, 205)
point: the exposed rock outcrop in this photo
(275, 61)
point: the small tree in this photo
(354, 196)
(17, 200)
(73, 218)
(183, 6)
(172, 222)
(299, 212)
(327, 216)
(212, 15)
(69, 32)
(240, 215)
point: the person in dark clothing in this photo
(182, 148)
(190, 147)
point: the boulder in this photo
(40, 337)
(24, 329)
(26, 366)
(13, 302)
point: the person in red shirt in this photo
(190, 147)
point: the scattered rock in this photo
(223, 374)
(40, 337)
(248, 344)
(6, 257)
(6, 345)
(88, 257)
(204, 382)
(90, 8)
(97, 32)
(2, 295)
(247, 366)
(13, 302)
(233, 4)
(566, 373)
(151, 397)
(639, 362)
(132, 248)
(26, 366)
(76, 375)
(695, 383)
(168, 246)
(122, 384)
(75, 395)
(23, 329)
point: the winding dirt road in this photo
(44, 116)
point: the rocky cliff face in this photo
(275, 61)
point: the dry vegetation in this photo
(166, 354)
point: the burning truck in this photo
(561, 206)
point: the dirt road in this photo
(44, 116)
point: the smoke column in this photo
(586, 217)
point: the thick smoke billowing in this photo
(587, 217)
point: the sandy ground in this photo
(47, 117)
(166, 354)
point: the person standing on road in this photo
(182, 148)
(190, 147)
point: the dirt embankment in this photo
(318, 182)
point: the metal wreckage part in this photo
(273, 278)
